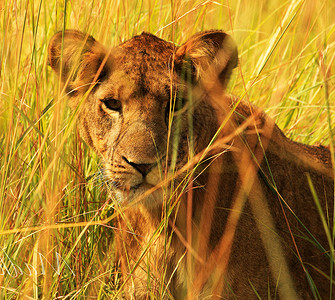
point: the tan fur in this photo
(219, 221)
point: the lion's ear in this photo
(79, 59)
(206, 54)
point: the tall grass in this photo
(55, 214)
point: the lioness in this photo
(214, 201)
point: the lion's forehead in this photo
(142, 69)
(148, 45)
(146, 61)
(124, 86)
(141, 79)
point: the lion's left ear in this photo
(79, 59)
(208, 53)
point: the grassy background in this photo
(51, 196)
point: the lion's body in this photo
(234, 226)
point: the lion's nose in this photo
(144, 169)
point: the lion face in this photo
(141, 107)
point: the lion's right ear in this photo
(208, 55)
(79, 59)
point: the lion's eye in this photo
(112, 104)
(179, 104)
(175, 108)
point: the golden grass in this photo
(52, 204)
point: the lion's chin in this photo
(143, 194)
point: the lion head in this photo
(141, 104)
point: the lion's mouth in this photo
(144, 191)
(144, 185)
(129, 187)
(126, 186)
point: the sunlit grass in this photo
(53, 202)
